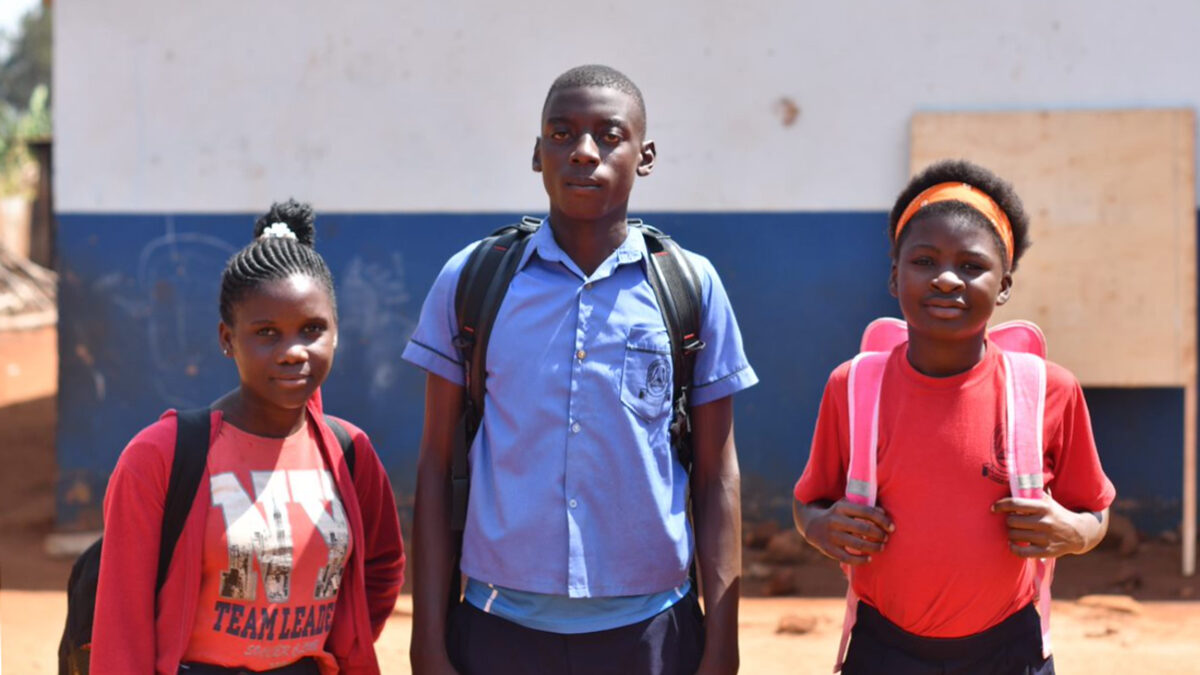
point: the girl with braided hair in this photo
(290, 559)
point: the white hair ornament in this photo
(277, 231)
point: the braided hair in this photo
(274, 257)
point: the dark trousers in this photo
(301, 667)
(669, 643)
(1011, 647)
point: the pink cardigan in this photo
(135, 634)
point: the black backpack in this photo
(191, 455)
(482, 284)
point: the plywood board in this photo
(1111, 277)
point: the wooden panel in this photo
(1111, 277)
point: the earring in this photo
(225, 351)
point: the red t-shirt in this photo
(276, 544)
(947, 571)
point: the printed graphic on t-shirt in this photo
(274, 624)
(277, 544)
(261, 529)
(996, 468)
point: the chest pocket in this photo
(646, 379)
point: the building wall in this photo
(782, 138)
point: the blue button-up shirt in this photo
(575, 489)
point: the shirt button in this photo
(588, 286)
(574, 503)
(581, 354)
(575, 428)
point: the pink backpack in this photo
(1024, 348)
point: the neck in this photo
(944, 358)
(253, 415)
(588, 242)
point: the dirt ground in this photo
(1157, 637)
(1152, 627)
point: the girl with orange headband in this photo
(940, 561)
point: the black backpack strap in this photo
(191, 456)
(482, 285)
(481, 288)
(344, 440)
(677, 288)
(680, 298)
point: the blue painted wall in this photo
(138, 299)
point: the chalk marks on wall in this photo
(372, 296)
(173, 297)
(178, 281)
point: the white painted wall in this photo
(367, 105)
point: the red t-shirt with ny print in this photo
(947, 570)
(276, 544)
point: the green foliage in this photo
(35, 123)
(29, 57)
(14, 156)
(24, 99)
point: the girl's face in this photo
(949, 276)
(283, 337)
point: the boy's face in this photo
(949, 276)
(590, 151)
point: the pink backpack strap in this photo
(862, 396)
(1019, 336)
(1025, 404)
(882, 334)
(863, 387)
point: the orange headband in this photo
(962, 192)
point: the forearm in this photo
(1092, 527)
(718, 516)
(432, 559)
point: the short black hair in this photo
(272, 258)
(978, 177)
(595, 75)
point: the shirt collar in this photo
(542, 242)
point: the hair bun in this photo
(297, 216)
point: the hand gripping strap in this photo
(862, 397)
(1025, 404)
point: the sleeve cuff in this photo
(732, 383)
(433, 361)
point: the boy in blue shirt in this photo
(577, 544)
